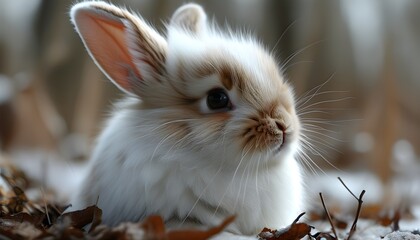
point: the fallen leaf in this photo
(199, 234)
(154, 227)
(295, 231)
(12, 221)
(81, 218)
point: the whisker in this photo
(335, 123)
(300, 114)
(231, 181)
(324, 135)
(328, 162)
(247, 164)
(282, 35)
(323, 102)
(201, 194)
(309, 162)
(316, 127)
(315, 91)
(160, 144)
(285, 69)
(313, 146)
(293, 55)
(257, 188)
(317, 94)
(252, 164)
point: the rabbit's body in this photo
(209, 129)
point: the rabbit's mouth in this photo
(283, 143)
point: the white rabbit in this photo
(208, 128)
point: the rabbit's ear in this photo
(125, 48)
(190, 17)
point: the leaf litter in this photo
(24, 218)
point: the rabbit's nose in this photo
(274, 130)
(281, 126)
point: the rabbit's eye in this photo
(218, 99)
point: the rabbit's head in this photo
(213, 94)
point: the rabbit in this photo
(207, 128)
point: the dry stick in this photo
(297, 219)
(328, 216)
(359, 208)
(396, 221)
(347, 188)
(46, 207)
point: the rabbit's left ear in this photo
(125, 48)
(191, 18)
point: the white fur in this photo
(136, 170)
(154, 180)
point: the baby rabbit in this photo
(208, 128)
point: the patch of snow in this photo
(401, 236)
(230, 236)
(368, 230)
(55, 173)
(334, 192)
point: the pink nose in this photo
(282, 128)
(273, 129)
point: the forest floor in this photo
(345, 208)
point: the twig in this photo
(347, 188)
(396, 221)
(46, 207)
(298, 217)
(328, 216)
(359, 208)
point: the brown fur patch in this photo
(226, 74)
(226, 78)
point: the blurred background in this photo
(355, 64)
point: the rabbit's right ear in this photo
(125, 48)
(191, 18)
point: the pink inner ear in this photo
(105, 38)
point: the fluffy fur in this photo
(163, 151)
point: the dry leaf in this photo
(295, 231)
(154, 228)
(199, 234)
(81, 218)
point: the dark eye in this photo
(217, 99)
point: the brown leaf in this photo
(12, 221)
(113, 235)
(199, 234)
(8, 234)
(154, 227)
(97, 219)
(70, 233)
(81, 218)
(295, 231)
